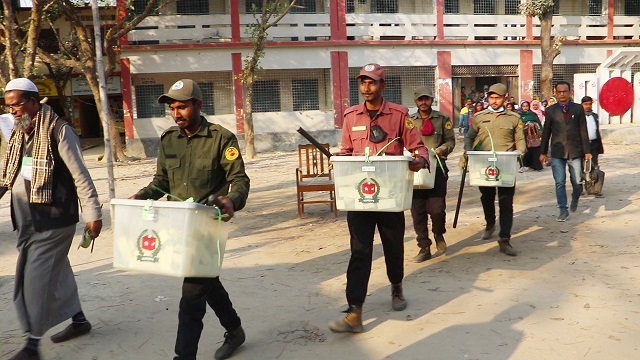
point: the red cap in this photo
(373, 71)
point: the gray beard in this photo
(23, 123)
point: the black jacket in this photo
(598, 140)
(569, 138)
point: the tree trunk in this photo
(548, 53)
(249, 143)
(117, 148)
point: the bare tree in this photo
(272, 11)
(78, 53)
(549, 46)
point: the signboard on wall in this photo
(80, 86)
(46, 87)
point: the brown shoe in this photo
(351, 322)
(423, 255)
(441, 245)
(506, 248)
(25, 354)
(398, 303)
(71, 332)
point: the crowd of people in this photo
(46, 176)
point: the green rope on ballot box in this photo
(439, 161)
(220, 216)
(384, 147)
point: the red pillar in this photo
(340, 84)
(121, 11)
(526, 75)
(439, 19)
(610, 14)
(529, 27)
(236, 64)
(127, 97)
(338, 20)
(445, 90)
(234, 12)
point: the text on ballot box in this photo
(488, 168)
(182, 239)
(374, 183)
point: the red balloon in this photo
(616, 96)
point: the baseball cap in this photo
(422, 91)
(182, 90)
(498, 88)
(374, 71)
(22, 84)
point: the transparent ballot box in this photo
(376, 183)
(488, 168)
(425, 179)
(182, 239)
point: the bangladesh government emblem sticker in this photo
(368, 189)
(492, 173)
(148, 246)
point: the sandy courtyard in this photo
(572, 293)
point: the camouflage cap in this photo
(498, 88)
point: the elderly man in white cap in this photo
(46, 174)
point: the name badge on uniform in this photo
(26, 170)
(359, 128)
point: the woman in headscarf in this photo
(532, 135)
(536, 107)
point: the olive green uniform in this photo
(431, 202)
(505, 129)
(208, 162)
(205, 163)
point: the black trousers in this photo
(531, 158)
(362, 226)
(595, 149)
(196, 294)
(505, 201)
(430, 202)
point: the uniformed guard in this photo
(437, 133)
(504, 129)
(198, 160)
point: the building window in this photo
(207, 98)
(192, 7)
(511, 7)
(451, 6)
(354, 91)
(384, 6)
(484, 7)
(252, 6)
(304, 6)
(556, 7)
(147, 101)
(393, 91)
(139, 5)
(632, 7)
(48, 42)
(266, 96)
(595, 7)
(305, 94)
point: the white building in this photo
(315, 52)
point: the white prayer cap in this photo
(22, 84)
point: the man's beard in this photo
(23, 123)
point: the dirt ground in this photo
(572, 293)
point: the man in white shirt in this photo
(593, 129)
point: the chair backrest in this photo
(312, 162)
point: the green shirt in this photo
(443, 137)
(205, 163)
(504, 129)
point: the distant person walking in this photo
(565, 132)
(593, 128)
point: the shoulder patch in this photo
(448, 125)
(409, 123)
(231, 153)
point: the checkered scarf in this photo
(42, 175)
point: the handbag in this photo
(593, 178)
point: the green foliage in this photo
(535, 8)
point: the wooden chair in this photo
(313, 175)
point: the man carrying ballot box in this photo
(437, 133)
(376, 124)
(497, 129)
(198, 159)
